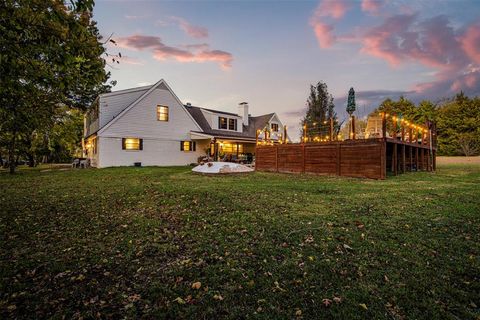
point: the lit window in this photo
(162, 113)
(275, 127)
(132, 144)
(222, 123)
(231, 147)
(187, 145)
(232, 124)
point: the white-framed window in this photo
(232, 124)
(227, 123)
(162, 113)
(274, 127)
(222, 123)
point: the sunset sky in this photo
(219, 53)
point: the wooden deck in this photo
(368, 158)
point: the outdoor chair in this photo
(76, 163)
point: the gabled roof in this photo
(133, 104)
(220, 112)
(249, 132)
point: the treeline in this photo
(457, 121)
(52, 66)
(57, 142)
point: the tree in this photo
(320, 109)
(457, 121)
(469, 144)
(50, 57)
(351, 106)
(403, 108)
(458, 129)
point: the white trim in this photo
(124, 91)
(108, 124)
(220, 113)
(203, 135)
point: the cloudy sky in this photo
(219, 53)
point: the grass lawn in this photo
(165, 243)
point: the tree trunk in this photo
(31, 160)
(11, 152)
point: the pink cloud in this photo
(224, 58)
(327, 9)
(402, 38)
(139, 42)
(332, 8)
(324, 34)
(372, 6)
(383, 41)
(191, 30)
(188, 53)
(471, 42)
(433, 43)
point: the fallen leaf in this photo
(326, 302)
(179, 300)
(337, 299)
(218, 297)
(196, 285)
(363, 305)
(298, 313)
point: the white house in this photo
(150, 126)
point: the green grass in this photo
(130, 242)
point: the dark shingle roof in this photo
(254, 123)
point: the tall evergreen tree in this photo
(320, 108)
(351, 106)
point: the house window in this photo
(162, 113)
(231, 147)
(222, 123)
(188, 146)
(232, 124)
(275, 127)
(132, 144)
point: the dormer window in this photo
(227, 123)
(222, 123)
(162, 113)
(275, 127)
(232, 124)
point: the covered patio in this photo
(227, 149)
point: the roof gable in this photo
(161, 85)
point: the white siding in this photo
(276, 135)
(112, 104)
(141, 121)
(161, 139)
(155, 153)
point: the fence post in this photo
(353, 127)
(384, 125)
(331, 129)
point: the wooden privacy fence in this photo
(342, 158)
(369, 158)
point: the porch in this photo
(227, 149)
